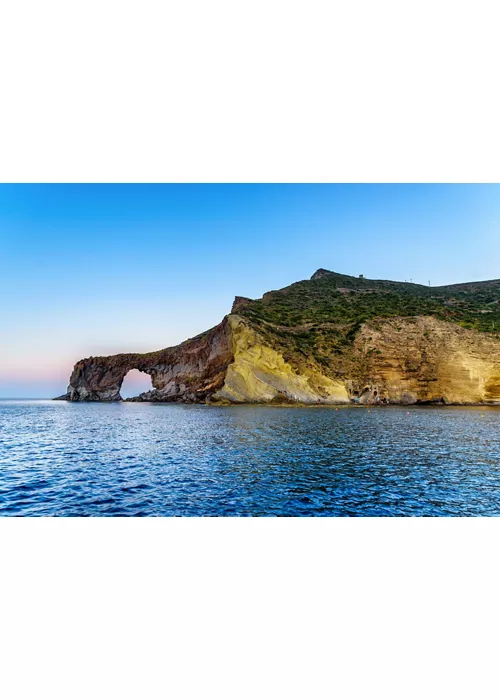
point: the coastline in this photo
(282, 404)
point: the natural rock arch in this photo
(101, 378)
(191, 371)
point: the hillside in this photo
(323, 315)
(331, 339)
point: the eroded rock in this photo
(192, 371)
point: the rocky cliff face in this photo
(192, 371)
(310, 344)
(260, 373)
(424, 360)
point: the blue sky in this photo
(99, 269)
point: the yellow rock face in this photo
(260, 374)
(424, 359)
(401, 360)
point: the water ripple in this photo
(145, 459)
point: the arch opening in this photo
(134, 383)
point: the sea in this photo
(141, 459)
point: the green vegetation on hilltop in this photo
(321, 316)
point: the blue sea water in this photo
(133, 459)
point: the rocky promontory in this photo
(331, 339)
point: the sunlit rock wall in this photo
(422, 359)
(260, 374)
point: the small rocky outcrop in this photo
(320, 274)
(240, 303)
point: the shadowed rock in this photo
(192, 371)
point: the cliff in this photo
(191, 371)
(330, 339)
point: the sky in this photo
(102, 269)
